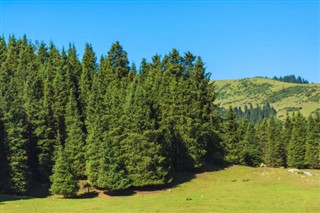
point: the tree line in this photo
(63, 119)
(291, 79)
(253, 114)
(294, 142)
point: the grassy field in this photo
(234, 189)
(282, 96)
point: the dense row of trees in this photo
(291, 79)
(253, 114)
(63, 119)
(294, 142)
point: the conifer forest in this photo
(118, 125)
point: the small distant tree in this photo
(63, 181)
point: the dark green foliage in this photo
(273, 147)
(14, 120)
(88, 68)
(118, 60)
(143, 160)
(75, 141)
(291, 79)
(253, 114)
(250, 155)
(63, 180)
(297, 143)
(312, 158)
(4, 167)
(62, 119)
(112, 172)
(231, 138)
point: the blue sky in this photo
(236, 39)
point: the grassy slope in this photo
(279, 94)
(235, 189)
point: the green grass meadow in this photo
(233, 189)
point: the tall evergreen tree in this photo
(312, 157)
(4, 167)
(272, 156)
(15, 121)
(63, 180)
(75, 141)
(250, 155)
(89, 67)
(297, 144)
(118, 60)
(230, 137)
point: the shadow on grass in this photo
(180, 178)
(5, 198)
(87, 195)
(127, 192)
(38, 190)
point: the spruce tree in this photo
(63, 180)
(96, 126)
(312, 158)
(75, 141)
(4, 167)
(15, 122)
(60, 98)
(286, 135)
(262, 138)
(230, 138)
(88, 69)
(250, 155)
(297, 144)
(113, 175)
(273, 147)
(118, 60)
(3, 50)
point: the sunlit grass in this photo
(234, 189)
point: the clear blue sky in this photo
(236, 39)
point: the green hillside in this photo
(282, 96)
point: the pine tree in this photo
(112, 173)
(297, 146)
(143, 160)
(262, 138)
(250, 155)
(3, 50)
(286, 135)
(74, 70)
(230, 138)
(15, 122)
(88, 69)
(142, 133)
(63, 180)
(118, 60)
(273, 147)
(4, 167)
(46, 124)
(97, 121)
(312, 158)
(60, 98)
(75, 141)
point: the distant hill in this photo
(281, 95)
